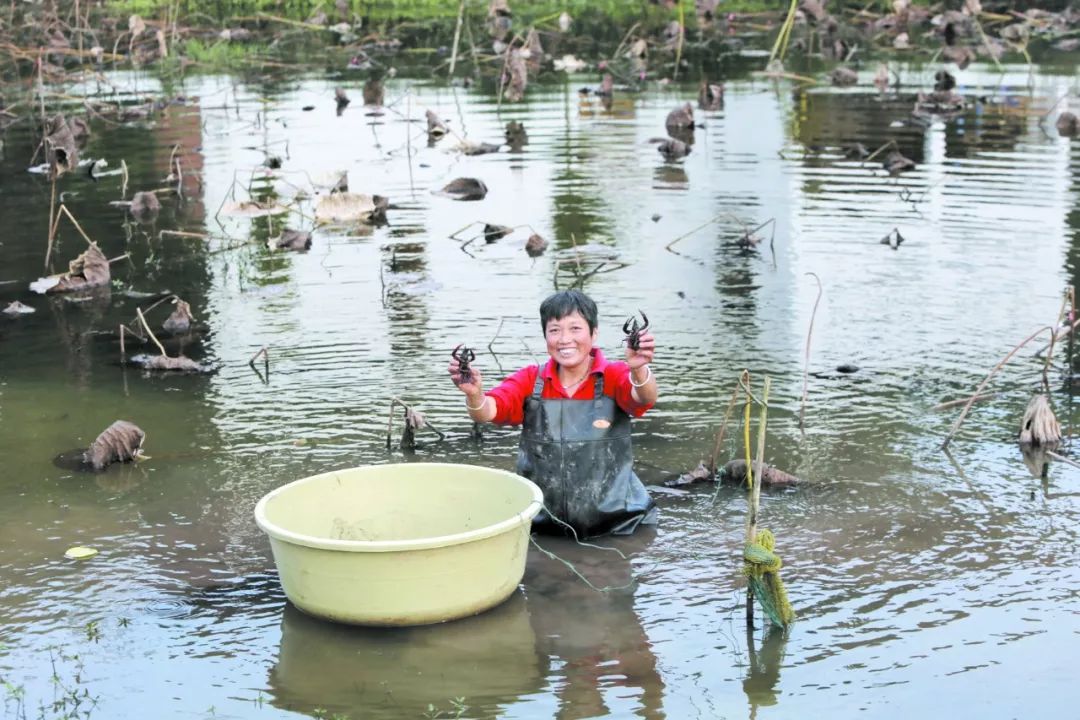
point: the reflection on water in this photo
(490, 660)
(916, 575)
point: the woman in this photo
(575, 410)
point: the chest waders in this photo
(578, 452)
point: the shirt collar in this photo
(599, 363)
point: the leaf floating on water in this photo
(89, 270)
(351, 207)
(251, 209)
(120, 442)
(80, 552)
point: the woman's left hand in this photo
(644, 354)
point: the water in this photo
(920, 578)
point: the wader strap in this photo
(598, 392)
(538, 386)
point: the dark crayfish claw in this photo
(633, 330)
(464, 355)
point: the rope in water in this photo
(570, 566)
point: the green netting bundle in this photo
(762, 569)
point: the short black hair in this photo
(561, 304)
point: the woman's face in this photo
(569, 340)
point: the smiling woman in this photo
(575, 440)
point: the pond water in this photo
(920, 578)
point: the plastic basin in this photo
(405, 544)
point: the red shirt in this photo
(510, 394)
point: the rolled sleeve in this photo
(510, 396)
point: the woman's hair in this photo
(561, 304)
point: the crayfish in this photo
(633, 330)
(464, 355)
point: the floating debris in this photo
(347, 207)
(939, 102)
(734, 473)
(16, 308)
(856, 151)
(464, 189)
(944, 80)
(164, 363)
(680, 119)
(341, 99)
(1068, 125)
(710, 96)
(436, 128)
(179, 322)
(1039, 426)
(535, 245)
(295, 240)
(469, 147)
(145, 207)
(120, 442)
(251, 209)
(843, 77)
(516, 78)
(893, 239)
(881, 77)
(373, 92)
(61, 151)
(495, 232)
(570, 64)
(89, 270)
(896, 163)
(516, 137)
(673, 149)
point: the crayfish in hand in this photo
(633, 330)
(464, 355)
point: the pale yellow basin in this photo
(404, 544)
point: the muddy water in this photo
(919, 578)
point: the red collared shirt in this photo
(510, 394)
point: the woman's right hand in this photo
(472, 386)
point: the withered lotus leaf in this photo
(120, 442)
(179, 322)
(351, 207)
(89, 270)
(464, 189)
(297, 240)
(167, 364)
(60, 147)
